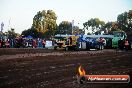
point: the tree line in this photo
(45, 26)
(123, 23)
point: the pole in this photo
(72, 26)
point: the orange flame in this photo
(81, 71)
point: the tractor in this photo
(67, 42)
(118, 39)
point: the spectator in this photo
(3, 43)
(7, 43)
(126, 44)
(34, 43)
(40, 43)
(11, 43)
(101, 42)
(44, 43)
(70, 39)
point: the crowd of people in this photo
(40, 43)
(22, 43)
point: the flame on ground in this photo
(81, 71)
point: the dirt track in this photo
(38, 68)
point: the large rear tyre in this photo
(76, 48)
(121, 44)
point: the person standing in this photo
(39, 43)
(44, 43)
(7, 43)
(101, 43)
(126, 44)
(11, 43)
(70, 40)
(34, 43)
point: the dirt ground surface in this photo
(42, 68)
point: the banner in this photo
(48, 44)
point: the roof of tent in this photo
(29, 37)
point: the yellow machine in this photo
(66, 42)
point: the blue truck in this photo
(89, 42)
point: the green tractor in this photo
(118, 39)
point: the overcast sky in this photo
(19, 13)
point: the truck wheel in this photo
(121, 44)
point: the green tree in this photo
(130, 22)
(44, 25)
(94, 24)
(65, 27)
(100, 27)
(78, 31)
(11, 34)
(124, 21)
(115, 26)
(110, 27)
(32, 32)
(45, 21)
